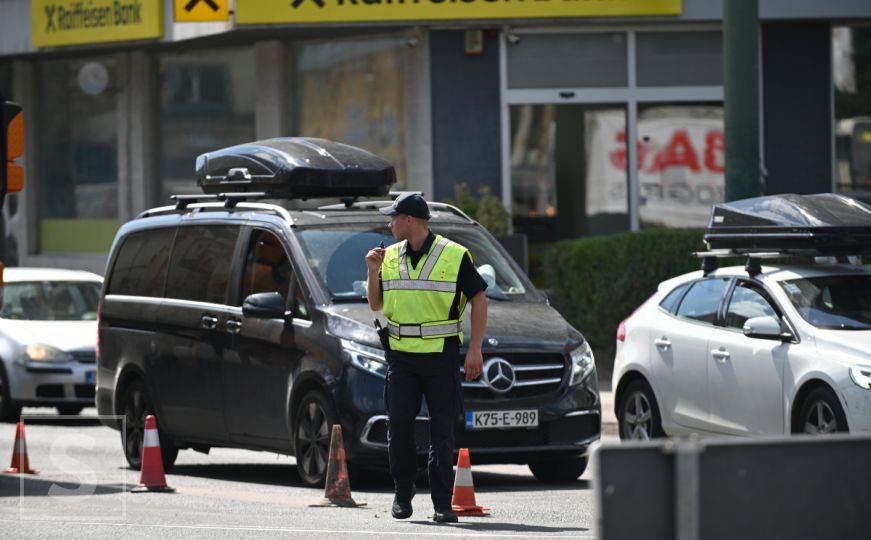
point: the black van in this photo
(240, 323)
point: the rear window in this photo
(140, 266)
(199, 268)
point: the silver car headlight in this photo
(582, 363)
(37, 352)
(861, 375)
(365, 357)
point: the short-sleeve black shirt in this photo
(469, 282)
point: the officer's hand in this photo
(474, 364)
(374, 258)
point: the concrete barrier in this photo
(792, 488)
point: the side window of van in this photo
(140, 266)
(267, 267)
(200, 265)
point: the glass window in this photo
(140, 266)
(679, 58)
(353, 91)
(703, 300)
(78, 179)
(669, 303)
(206, 103)
(337, 256)
(567, 60)
(200, 266)
(832, 302)
(51, 300)
(681, 163)
(267, 266)
(300, 311)
(748, 301)
(574, 154)
(851, 64)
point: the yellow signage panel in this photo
(331, 11)
(202, 10)
(77, 22)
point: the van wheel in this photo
(8, 411)
(135, 406)
(70, 410)
(638, 414)
(559, 470)
(821, 414)
(313, 421)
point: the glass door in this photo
(568, 170)
(681, 167)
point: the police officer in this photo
(423, 283)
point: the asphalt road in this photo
(83, 491)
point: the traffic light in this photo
(11, 150)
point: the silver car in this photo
(48, 335)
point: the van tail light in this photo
(621, 331)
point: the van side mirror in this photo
(766, 328)
(266, 305)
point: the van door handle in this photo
(234, 326)
(209, 322)
(720, 355)
(662, 343)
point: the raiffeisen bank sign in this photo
(76, 22)
(331, 11)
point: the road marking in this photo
(356, 532)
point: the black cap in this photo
(410, 204)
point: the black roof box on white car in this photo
(825, 223)
(295, 168)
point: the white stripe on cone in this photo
(151, 438)
(464, 477)
(21, 446)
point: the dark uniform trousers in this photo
(437, 378)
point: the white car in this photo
(48, 336)
(785, 351)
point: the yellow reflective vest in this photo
(417, 301)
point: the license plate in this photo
(91, 377)
(501, 419)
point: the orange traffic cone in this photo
(337, 491)
(463, 502)
(20, 463)
(152, 478)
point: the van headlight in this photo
(582, 363)
(365, 357)
(861, 375)
(36, 352)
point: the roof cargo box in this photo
(825, 223)
(295, 168)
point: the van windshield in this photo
(832, 302)
(337, 255)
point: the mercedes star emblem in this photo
(499, 375)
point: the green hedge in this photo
(600, 280)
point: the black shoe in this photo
(445, 516)
(401, 509)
